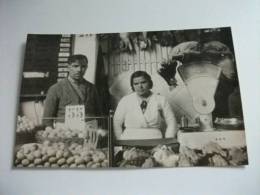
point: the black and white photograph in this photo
(130, 100)
(129, 97)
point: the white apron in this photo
(139, 125)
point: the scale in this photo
(201, 79)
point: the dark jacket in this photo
(62, 94)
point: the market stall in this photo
(191, 78)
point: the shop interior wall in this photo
(122, 64)
(87, 44)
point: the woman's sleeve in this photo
(119, 119)
(171, 130)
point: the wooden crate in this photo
(25, 138)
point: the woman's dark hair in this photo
(141, 74)
(79, 57)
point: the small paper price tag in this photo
(75, 117)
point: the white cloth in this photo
(129, 114)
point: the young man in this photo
(73, 90)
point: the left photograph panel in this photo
(62, 119)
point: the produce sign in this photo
(75, 116)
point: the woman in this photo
(143, 114)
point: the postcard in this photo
(130, 100)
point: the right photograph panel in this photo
(174, 99)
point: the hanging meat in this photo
(126, 43)
(144, 41)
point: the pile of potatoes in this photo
(58, 155)
(24, 124)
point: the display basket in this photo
(94, 132)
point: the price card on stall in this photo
(75, 117)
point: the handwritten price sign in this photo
(75, 117)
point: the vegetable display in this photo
(58, 155)
(211, 154)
